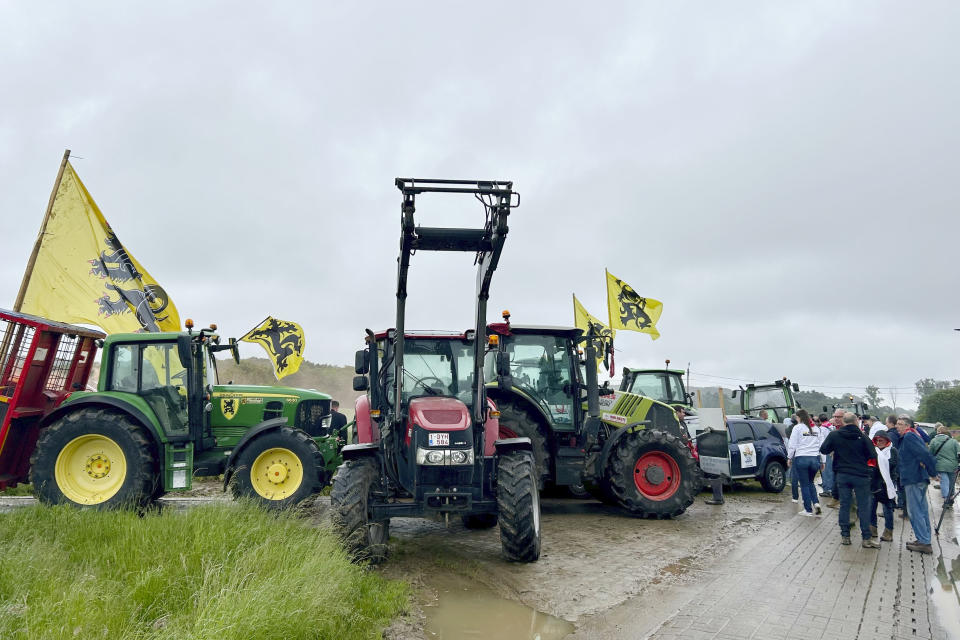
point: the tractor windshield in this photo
(656, 385)
(541, 365)
(771, 399)
(437, 367)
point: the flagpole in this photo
(606, 286)
(43, 229)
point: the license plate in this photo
(438, 439)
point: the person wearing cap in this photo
(884, 484)
(917, 466)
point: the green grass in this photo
(218, 571)
(19, 490)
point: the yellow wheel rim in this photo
(276, 474)
(90, 469)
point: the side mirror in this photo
(360, 383)
(796, 387)
(235, 350)
(503, 363)
(734, 393)
(824, 408)
(184, 346)
(361, 363)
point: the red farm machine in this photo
(41, 363)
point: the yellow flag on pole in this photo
(583, 320)
(283, 342)
(83, 274)
(630, 311)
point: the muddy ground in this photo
(593, 557)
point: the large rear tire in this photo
(518, 501)
(278, 469)
(364, 539)
(516, 422)
(652, 474)
(94, 458)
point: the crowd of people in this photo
(865, 464)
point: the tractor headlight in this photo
(444, 456)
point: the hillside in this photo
(326, 378)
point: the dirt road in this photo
(593, 558)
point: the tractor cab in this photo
(850, 404)
(42, 363)
(664, 385)
(775, 400)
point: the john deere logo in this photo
(632, 307)
(228, 407)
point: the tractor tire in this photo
(365, 540)
(518, 501)
(652, 474)
(774, 477)
(479, 520)
(94, 458)
(278, 469)
(518, 423)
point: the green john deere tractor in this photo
(160, 417)
(621, 447)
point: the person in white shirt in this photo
(803, 455)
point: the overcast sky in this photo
(783, 176)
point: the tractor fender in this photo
(513, 444)
(267, 425)
(116, 404)
(366, 431)
(362, 450)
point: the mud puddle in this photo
(464, 610)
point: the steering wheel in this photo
(429, 389)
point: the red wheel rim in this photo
(656, 475)
(506, 433)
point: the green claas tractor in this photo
(621, 447)
(159, 417)
(663, 385)
(775, 399)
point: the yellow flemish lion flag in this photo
(583, 320)
(630, 311)
(83, 274)
(283, 342)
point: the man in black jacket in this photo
(852, 452)
(337, 421)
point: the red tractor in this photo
(429, 442)
(41, 363)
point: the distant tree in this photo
(927, 386)
(942, 405)
(872, 394)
